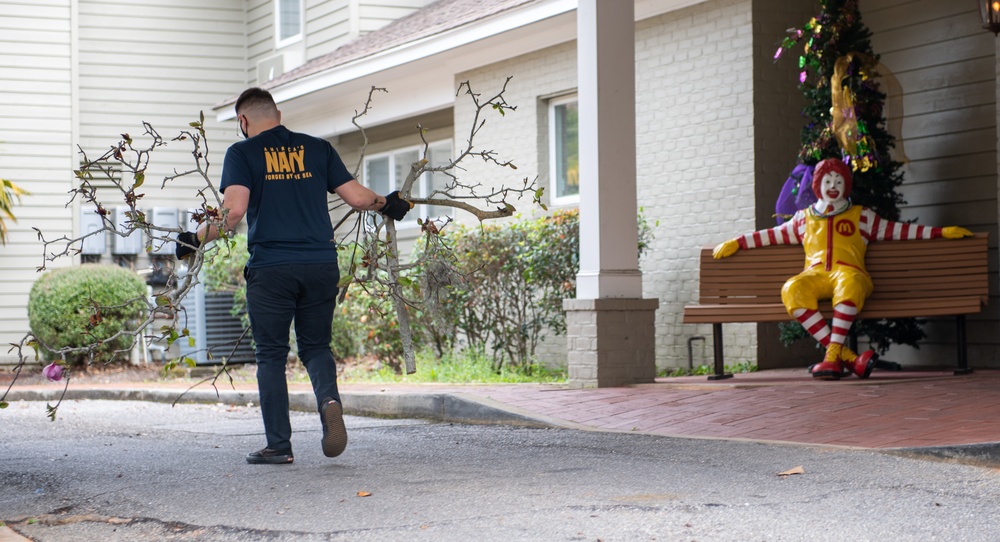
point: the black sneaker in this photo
(268, 456)
(334, 432)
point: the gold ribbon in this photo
(844, 124)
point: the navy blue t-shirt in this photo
(289, 175)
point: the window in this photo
(564, 155)
(386, 172)
(287, 22)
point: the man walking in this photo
(280, 179)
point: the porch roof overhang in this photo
(322, 97)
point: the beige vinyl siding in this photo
(259, 34)
(36, 132)
(374, 14)
(328, 26)
(163, 64)
(84, 72)
(945, 65)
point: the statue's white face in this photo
(832, 189)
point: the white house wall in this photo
(694, 120)
(695, 158)
(519, 136)
(36, 141)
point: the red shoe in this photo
(826, 370)
(863, 364)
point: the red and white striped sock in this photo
(843, 317)
(814, 323)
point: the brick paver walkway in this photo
(890, 410)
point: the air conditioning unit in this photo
(269, 68)
(131, 244)
(163, 217)
(90, 222)
(214, 329)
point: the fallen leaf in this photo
(364, 494)
(796, 470)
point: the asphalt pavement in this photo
(932, 418)
(141, 471)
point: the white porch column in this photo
(609, 264)
(610, 328)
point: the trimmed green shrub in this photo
(74, 307)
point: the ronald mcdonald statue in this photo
(835, 235)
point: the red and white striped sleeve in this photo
(876, 228)
(788, 233)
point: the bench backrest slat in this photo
(921, 269)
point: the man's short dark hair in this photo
(255, 98)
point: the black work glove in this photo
(395, 208)
(183, 250)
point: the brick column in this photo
(610, 342)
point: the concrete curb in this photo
(444, 407)
(985, 454)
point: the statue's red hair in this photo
(826, 166)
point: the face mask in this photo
(242, 130)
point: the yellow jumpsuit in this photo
(835, 263)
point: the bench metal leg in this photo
(963, 347)
(720, 366)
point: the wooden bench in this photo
(921, 278)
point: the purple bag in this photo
(796, 194)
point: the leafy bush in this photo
(505, 288)
(508, 284)
(365, 322)
(362, 324)
(223, 271)
(498, 287)
(75, 306)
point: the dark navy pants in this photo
(277, 296)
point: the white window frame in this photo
(421, 188)
(554, 197)
(278, 41)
